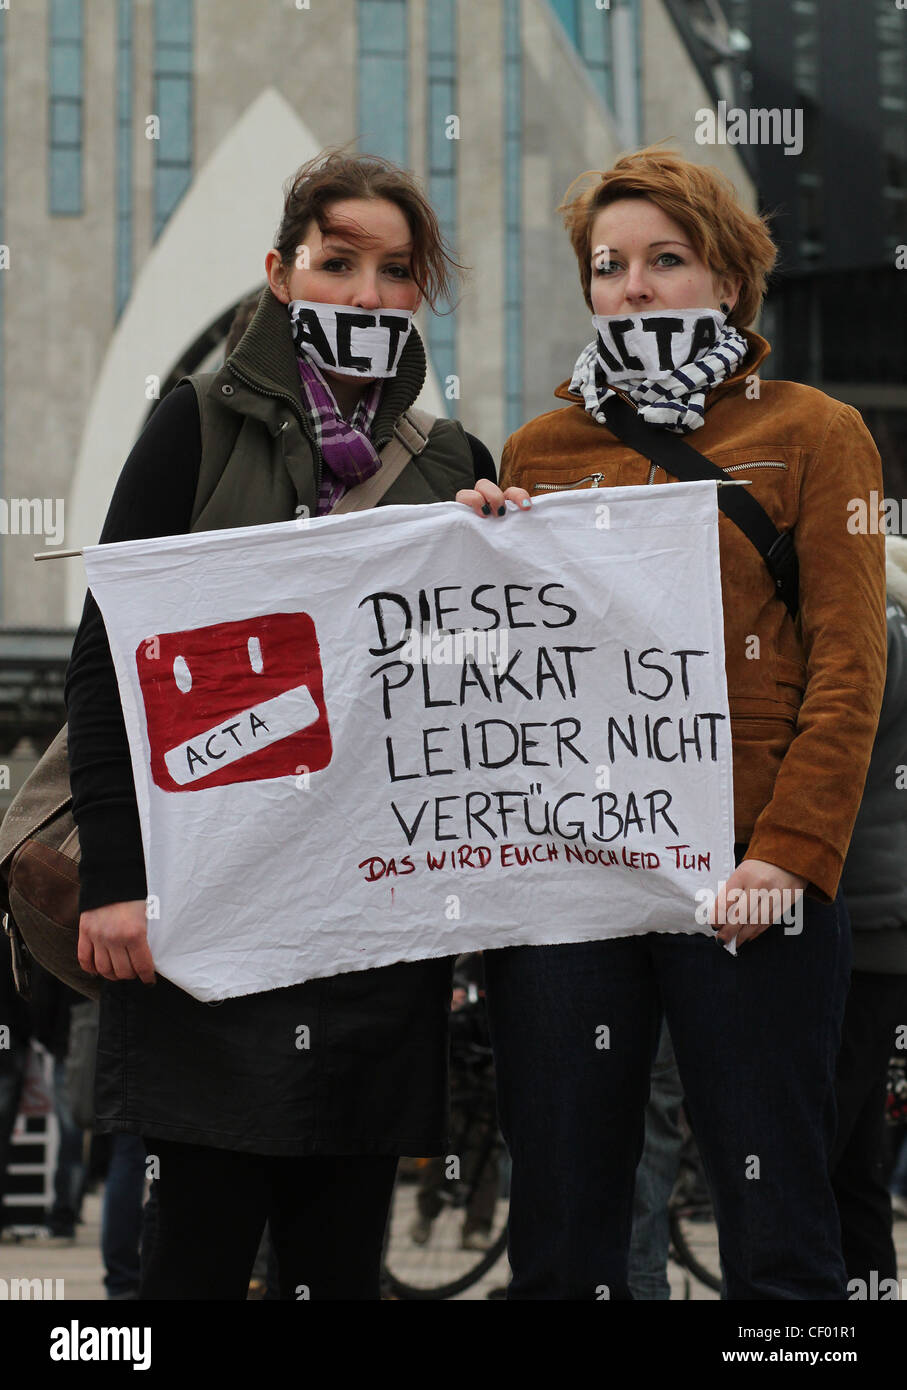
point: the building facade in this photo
(837, 307)
(143, 151)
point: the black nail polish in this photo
(486, 510)
(502, 509)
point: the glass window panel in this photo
(66, 70)
(124, 82)
(65, 122)
(442, 27)
(382, 26)
(382, 106)
(443, 196)
(887, 17)
(443, 67)
(65, 168)
(173, 21)
(441, 151)
(66, 19)
(595, 33)
(174, 108)
(169, 186)
(566, 13)
(173, 58)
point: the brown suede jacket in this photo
(804, 697)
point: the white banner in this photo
(413, 732)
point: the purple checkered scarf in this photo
(348, 453)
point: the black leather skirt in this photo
(353, 1064)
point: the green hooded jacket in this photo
(260, 460)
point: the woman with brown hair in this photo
(673, 269)
(242, 1124)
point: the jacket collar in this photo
(759, 349)
(265, 357)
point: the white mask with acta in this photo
(653, 346)
(352, 342)
(666, 361)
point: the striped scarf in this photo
(676, 402)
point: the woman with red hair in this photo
(673, 269)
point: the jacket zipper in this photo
(732, 468)
(593, 478)
(736, 467)
(282, 396)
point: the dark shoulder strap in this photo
(675, 456)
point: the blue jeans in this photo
(756, 1039)
(898, 1181)
(121, 1215)
(655, 1178)
(69, 1179)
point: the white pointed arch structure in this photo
(210, 254)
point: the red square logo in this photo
(234, 702)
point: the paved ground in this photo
(79, 1265)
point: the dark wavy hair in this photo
(333, 176)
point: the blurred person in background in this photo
(874, 882)
(656, 1175)
(51, 1007)
(15, 1021)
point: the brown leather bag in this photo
(39, 863)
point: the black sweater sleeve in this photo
(481, 459)
(153, 497)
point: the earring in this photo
(725, 308)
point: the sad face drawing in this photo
(234, 702)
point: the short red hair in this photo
(729, 239)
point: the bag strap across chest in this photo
(675, 456)
(408, 440)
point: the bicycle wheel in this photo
(432, 1209)
(695, 1244)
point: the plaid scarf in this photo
(348, 453)
(678, 401)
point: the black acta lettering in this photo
(606, 356)
(618, 329)
(704, 336)
(310, 331)
(664, 330)
(395, 328)
(345, 325)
